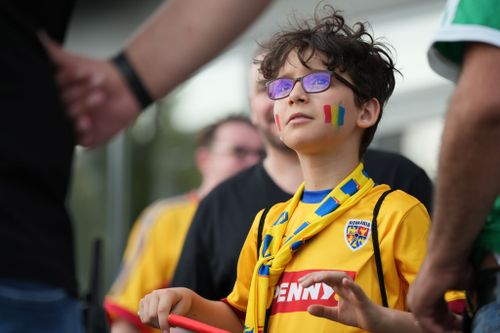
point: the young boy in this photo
(329, 83)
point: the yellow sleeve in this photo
(238, 298)
(150, 258)
(456, 301)
(403, 226)
(410, 243)
(454, 295)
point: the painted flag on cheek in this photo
(334, 114)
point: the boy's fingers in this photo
(306, 280)
(323, 311)
(313, 278)
(144, 309)
(163, 312)
(152, 309)
(333, 279)
(354, 289)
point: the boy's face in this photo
(326, 121)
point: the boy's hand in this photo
(155, 307)
(353, 309)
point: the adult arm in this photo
(468, 182)
(182, 36)
(185, 34)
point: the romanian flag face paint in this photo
(277, 120)
(334, 114)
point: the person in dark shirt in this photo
(223, 218)
(38, 289)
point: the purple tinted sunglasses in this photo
(312, 83)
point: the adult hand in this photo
(426, 296)
(354, 307)
(155, 307)
(94, 93)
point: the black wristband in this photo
(134, 82)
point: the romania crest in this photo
(357, 233)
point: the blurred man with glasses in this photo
(224, 148)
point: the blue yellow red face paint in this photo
(277, 121)
(334, 114)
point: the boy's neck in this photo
(326, 171)
(284, 169)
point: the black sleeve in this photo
(421, 187)
(193, 270)
(399, 173)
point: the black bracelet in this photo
(134, 82)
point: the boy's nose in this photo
(297, 95)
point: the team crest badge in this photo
(357, 233)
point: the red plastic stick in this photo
(193, 325)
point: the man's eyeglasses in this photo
(241, 152)
(312, 83)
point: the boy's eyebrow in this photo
(309, 70)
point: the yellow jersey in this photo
(345, 245)
(153, 249)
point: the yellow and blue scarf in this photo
(275, 254)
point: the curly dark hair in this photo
(348, 50)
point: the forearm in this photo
(215, 313)
(395, 321)
(185, 34)
(468, 177)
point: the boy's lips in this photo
(298, 115)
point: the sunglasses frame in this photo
(300, 79)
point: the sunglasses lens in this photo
(279, 88)
(316, 82)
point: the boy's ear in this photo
(369, 113)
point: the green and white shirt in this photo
(468, 21)
(463, 21)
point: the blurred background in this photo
(153, 159)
